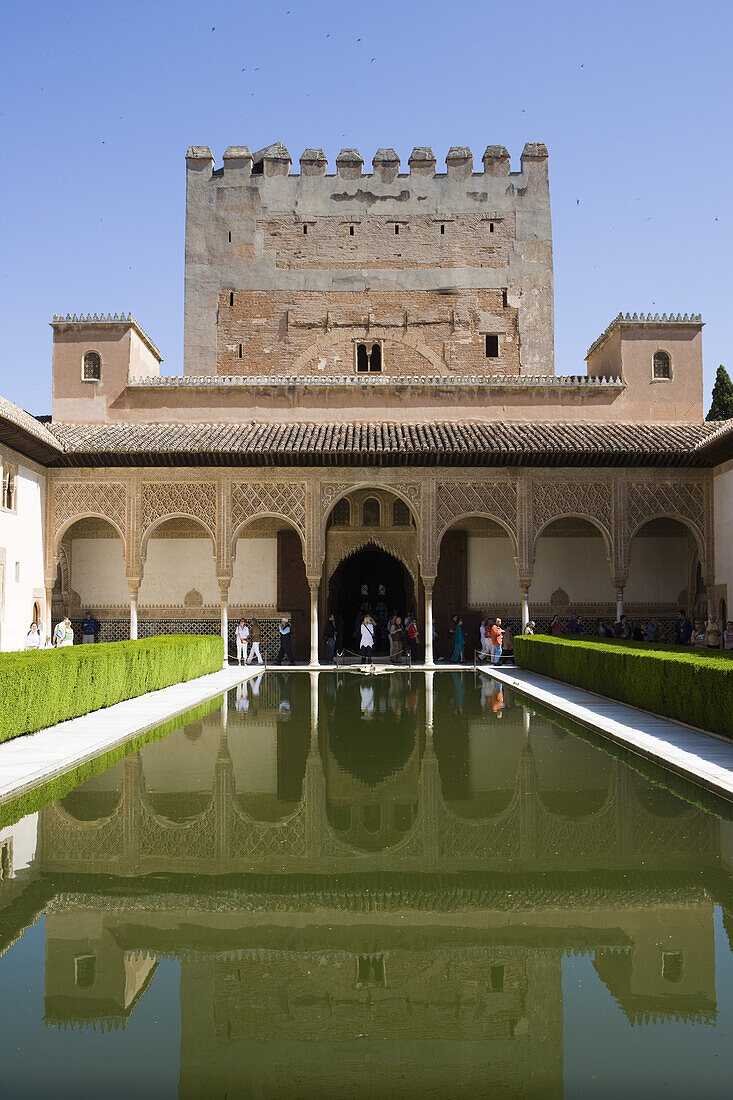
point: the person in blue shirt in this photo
(89, 629)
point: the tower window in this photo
(91, 370)
(370, 513)
(491, 227)
(305, 230)
(85, 971)
(442, 229)
(341, 515)
(672, 966)
(492, 345)
(8, 477)
(397, 231)
(369, 359)
(239, 352)
(351, 231)
(231, 297)
(504, 298)
(496, 978)
(401, 515)
(661, 365)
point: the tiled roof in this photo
(439, 381)
(20, 430)
(468, 443)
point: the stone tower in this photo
(319, 275)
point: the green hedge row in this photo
(684, 684)
(666, 647)
(40, 688)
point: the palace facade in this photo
(369, 415)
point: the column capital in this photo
(133, 584)
(224, 583)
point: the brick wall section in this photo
(313, 333)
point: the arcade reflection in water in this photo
(401, 857)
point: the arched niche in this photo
(663, 564)
(476, 577)
(91, 574)
(572, 556)
(178, 559)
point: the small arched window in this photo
(370, 512)
(369, 359)
(341, 516)
(92, 367)
(661, 365)
(401, 515)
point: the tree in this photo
(722, 404)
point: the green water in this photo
(342, 886)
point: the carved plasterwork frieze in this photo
(494, 500)
(588, 499)
(75, 499)
(170, 498)
(682, 500)
(281, 498)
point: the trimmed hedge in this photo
(665, 647)
(685, 685)
(43, 687)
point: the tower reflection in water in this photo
(399, 859)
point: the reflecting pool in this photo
(399, 885)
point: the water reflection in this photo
(398, 858)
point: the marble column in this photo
(314, 586)
(47, 613)
(134, 585)
(525, 605)
(429, 655)
(224, 583)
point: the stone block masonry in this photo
(296, 270)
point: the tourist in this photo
(330, 636)
(399, 638)
(682, 629)
(529, 628)
(390, 632)
(412, 639)
(497, 639)
(459, 642)
(608, 631)
(653, 633)
(63, 634)
(507, 644)
(712, 633)
(576, 625)
(698, 634)
(601, 628)
(452, 636)
(728, 635)
(483, 651)
(34, 638)
(622, 628)
(637, 633)
(89, 629)
(285, 652)
(556, 627)
(255, 637)
(366, 642)
(242, 636)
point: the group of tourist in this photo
(495, 639)
(707, 635)
(62, 634)
(249, 641)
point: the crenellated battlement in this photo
(275, 160)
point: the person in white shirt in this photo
(34, 639)
(367, 638)
(63, 634)
(242, 635)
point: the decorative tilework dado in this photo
(118, 630)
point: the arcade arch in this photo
(665, 571)
(572, 569)
(90, 573)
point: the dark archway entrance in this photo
(375, 569)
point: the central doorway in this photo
(371, 580)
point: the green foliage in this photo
(722, 403)
(687, 685)
(43, 687)
(37, 797)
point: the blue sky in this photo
(98, 103)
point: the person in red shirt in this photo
(497, 638)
